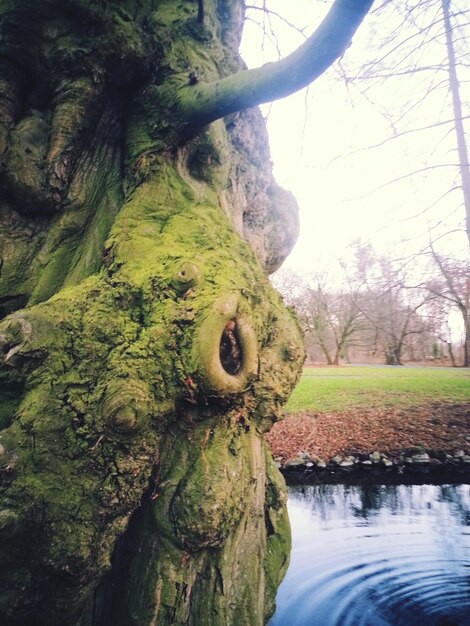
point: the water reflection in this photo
(378, 555)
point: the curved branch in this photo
(204, 103)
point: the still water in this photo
(377, 555)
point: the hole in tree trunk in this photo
(230, 349)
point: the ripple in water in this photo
(377, 555)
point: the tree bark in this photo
(143, 352)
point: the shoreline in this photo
(408, 466)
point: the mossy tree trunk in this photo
(143, 351)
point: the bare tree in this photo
(327, 308)
(389, 302)
(418, 80)
(332, 317)
(369, 304)
(440, 331)
(452, 285)
(454, 86)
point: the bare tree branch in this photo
(253, 7)
(408, 175)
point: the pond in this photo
(377, 555)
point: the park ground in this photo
(358, 410)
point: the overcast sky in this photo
(320, 140)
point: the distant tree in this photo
(332, 317)
(418, 78)
(370, 304)
(452, 286)
(457, 108)
(327, 308)
(437, 312)
(388, 302)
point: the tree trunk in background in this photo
(451, 353)
(454, 87)
(143, 352)
(466, 345)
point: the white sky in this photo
(319, 151)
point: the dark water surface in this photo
(377, 555)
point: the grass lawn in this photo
(324, 389)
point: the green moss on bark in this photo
(135, 485)
(120, 367)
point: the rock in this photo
(387, 462)
(419, 458)
(459, 454)
(337, 460)
(295, 461)
(321, 464)
(465, 458)
(366, 463)
(346, 464)
(304, 455)
(375, 457)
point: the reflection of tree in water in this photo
(333, 502)
(343, 501)
(373, 498)
(459, 501)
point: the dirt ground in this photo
(438, 427)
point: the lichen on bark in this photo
(143, 352)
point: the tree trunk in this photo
(393, 356)
(466, 344)
(152, 352)
(454, 87)
(451, 353)
(143, 352)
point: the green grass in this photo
(324, 389)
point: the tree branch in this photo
(253, 7)
(204, 103)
